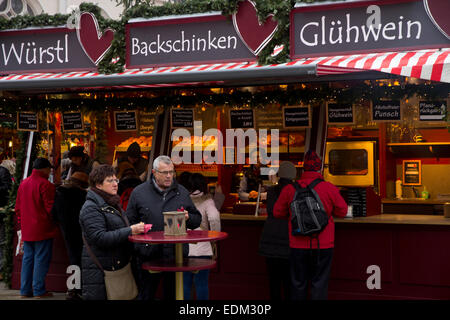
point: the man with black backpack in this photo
(309, 205)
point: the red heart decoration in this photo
(438, 11)
(94, 44)
(255, 35)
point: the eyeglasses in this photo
(112, 180)
(166, 173)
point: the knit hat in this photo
(41, 163)
(77, 151)
(312, 161)
(287, 170)
(134, 150)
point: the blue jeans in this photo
(200, 281)
(35, 265)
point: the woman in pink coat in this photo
(203, 250)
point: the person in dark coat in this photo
(274, 242)
(80, 161)
(128, 180)
(69, 199)
(7, 169)
(5, 185)
(147, 203)
(134, 156)
(105, 229)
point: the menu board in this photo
(182, 118)
(27, 121)
(297, 117)
(72, 121)
(386, 111)
(412, 172)
(432, 110)
(147, 122)
(125, 120)
(340, 113)
(269, 118)
(242, 119)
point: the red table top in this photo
(191, 236)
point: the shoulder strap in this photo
(311, 187)
(91, 254)
(313, 184)
(297, 186)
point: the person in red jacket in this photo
(34, 203)
(311, 262)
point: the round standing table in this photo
(179, 264)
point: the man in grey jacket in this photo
(147, 203)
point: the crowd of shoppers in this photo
(99, 206)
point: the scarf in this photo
(112, 199)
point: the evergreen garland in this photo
(101, 145)
(292, 95)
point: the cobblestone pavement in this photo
(7, 294)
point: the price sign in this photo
(125, 120)
(340, 113)
(182, 118)
(412, 172)
(72, 121)
(386, 111)
(27, 121)
(242, 119)
(297, 117)
(432, 110)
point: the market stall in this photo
(331, 96)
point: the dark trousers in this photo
(310, 267)
(278, 270)
(149, 284)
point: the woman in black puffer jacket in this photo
(106, 230)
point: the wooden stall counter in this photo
(411, 252)
(414, 206)
(377, 219)
(410, 219)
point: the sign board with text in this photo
(182, 118)
(340, 113)
(368, 26)
(27, 121)
(42, 50)
(196, 39)
(72, 121)
(386, 110)
(125, 121)
(432, 110)
(297, 117)
(242, 119)
(412, 172)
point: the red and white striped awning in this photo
(423, 64)
(433, 64)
